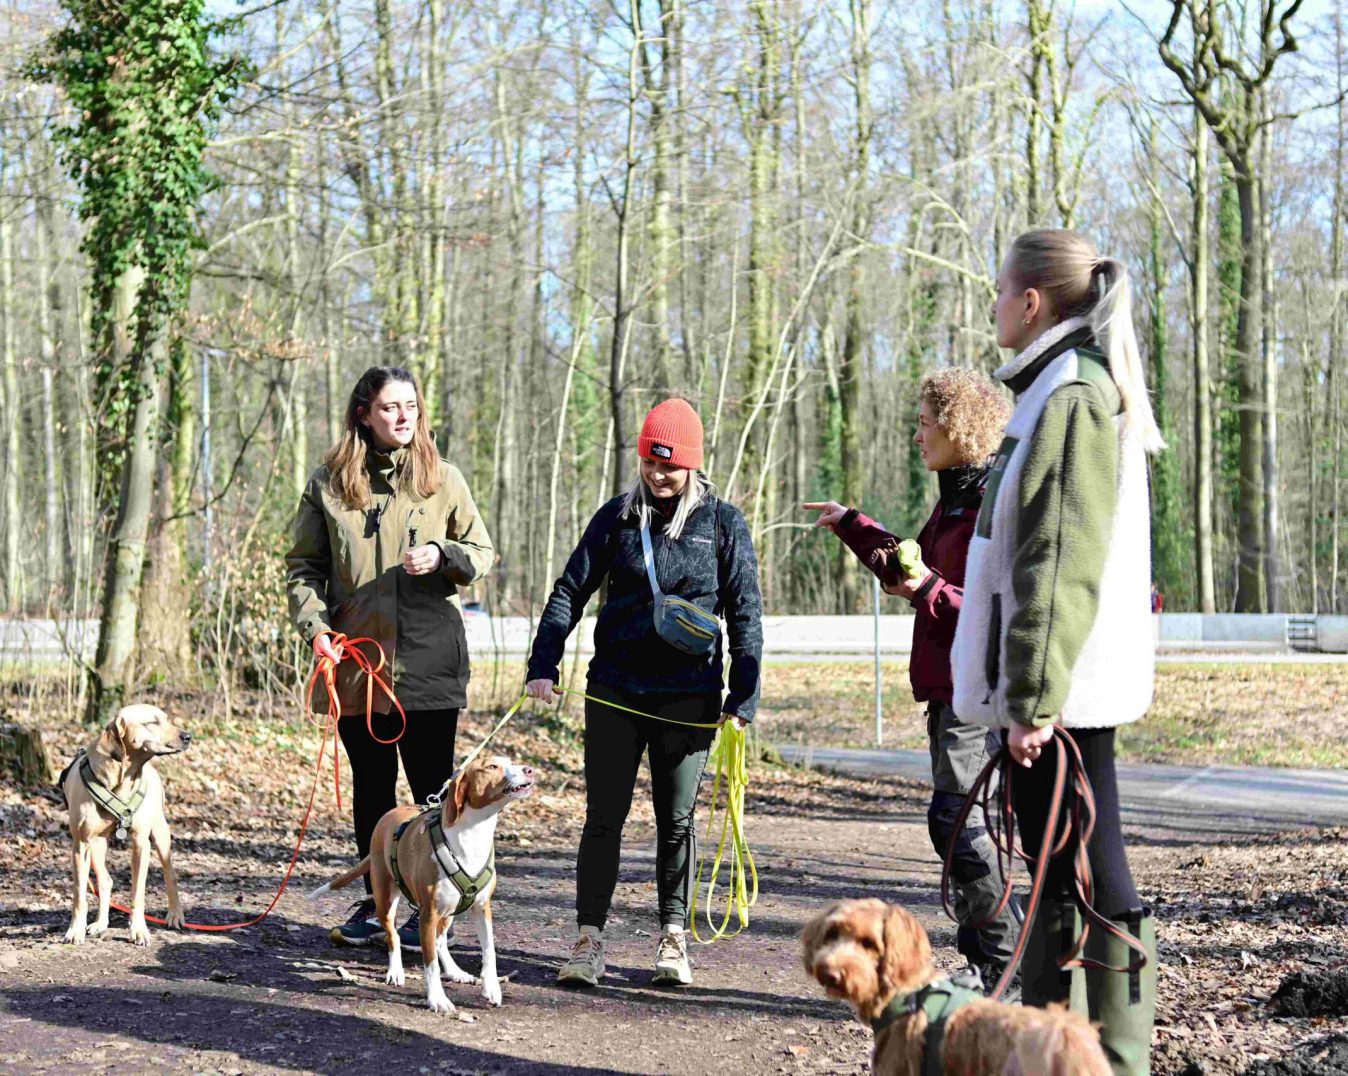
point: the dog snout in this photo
(528, 771)
(828, 974)
(184, 738)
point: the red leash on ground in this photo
(325, 670)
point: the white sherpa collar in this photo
(1038, 346)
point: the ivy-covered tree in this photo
(145, 89)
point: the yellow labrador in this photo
(111, 789)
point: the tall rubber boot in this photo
(1053, 933)
(1123, 1003)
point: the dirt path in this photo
(1240, 907)
(280, 999)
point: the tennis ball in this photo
(910, 557)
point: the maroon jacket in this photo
(945, 548)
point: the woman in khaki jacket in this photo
(385, 534)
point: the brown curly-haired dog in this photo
(868, 951)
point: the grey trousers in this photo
(959, 751)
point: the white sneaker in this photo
(671, 960)
(585, 966)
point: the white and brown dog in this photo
(111, 788)
(878, 957)
(407, 859)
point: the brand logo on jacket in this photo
(664, 452)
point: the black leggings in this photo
(427, 749)
(1115, 893)
(614, 744)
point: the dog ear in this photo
(907, 950)
(455, 797)
(811, 936)
(113, 740)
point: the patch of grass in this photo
(1252, 714)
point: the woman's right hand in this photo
(830, 513)
(324, 649)
(541, 689)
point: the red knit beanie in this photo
(672, 433)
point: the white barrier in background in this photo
(50, 640)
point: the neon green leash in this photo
(730, 753)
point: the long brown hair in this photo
(1078, 282)
(348, 476)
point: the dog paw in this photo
(175, 919)
(98, 929)
(456, 974)
(396, 978)
(140, 933)
(75, 935)
(491, 991)
(439, 1004)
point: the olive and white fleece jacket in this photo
(1056, 619)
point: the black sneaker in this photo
(991, 975)
(362, 928)
(409, 934)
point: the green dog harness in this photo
(938, 1000)
(468, 886)
(120, 809)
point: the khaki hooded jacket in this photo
(346, 575)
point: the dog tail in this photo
(1063, 1044)
(358, 871)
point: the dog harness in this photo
(938, 1000)
(467, 885)
(120, 809)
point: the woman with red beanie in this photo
(668, 540)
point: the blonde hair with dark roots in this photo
(638, 501)
(348, 476)
(1065, 266)
(969, 407)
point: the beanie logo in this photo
(664, 452)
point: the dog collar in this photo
(120, 809)
(938, 1001)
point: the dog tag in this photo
(121, 833)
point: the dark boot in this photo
(1123, 1003)
(988, 948)
(1053, 933)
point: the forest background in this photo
(558, 212)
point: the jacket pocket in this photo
(992, 659)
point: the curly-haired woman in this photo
(959, 425)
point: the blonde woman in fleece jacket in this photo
(1056, 625)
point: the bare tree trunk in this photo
(13, 593)
(1335, 366)
(1251, 595)
(1207, 600)
(1269, 350)
(48, 307)
(621, 309)
(126, 547)
(1038, 30)
(660, 230)
(854, 332)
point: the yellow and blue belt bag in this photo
(680, 623)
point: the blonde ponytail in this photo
(1066, 268)
(1111, 321)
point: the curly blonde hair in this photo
(970, 408)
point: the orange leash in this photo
(325, 670)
